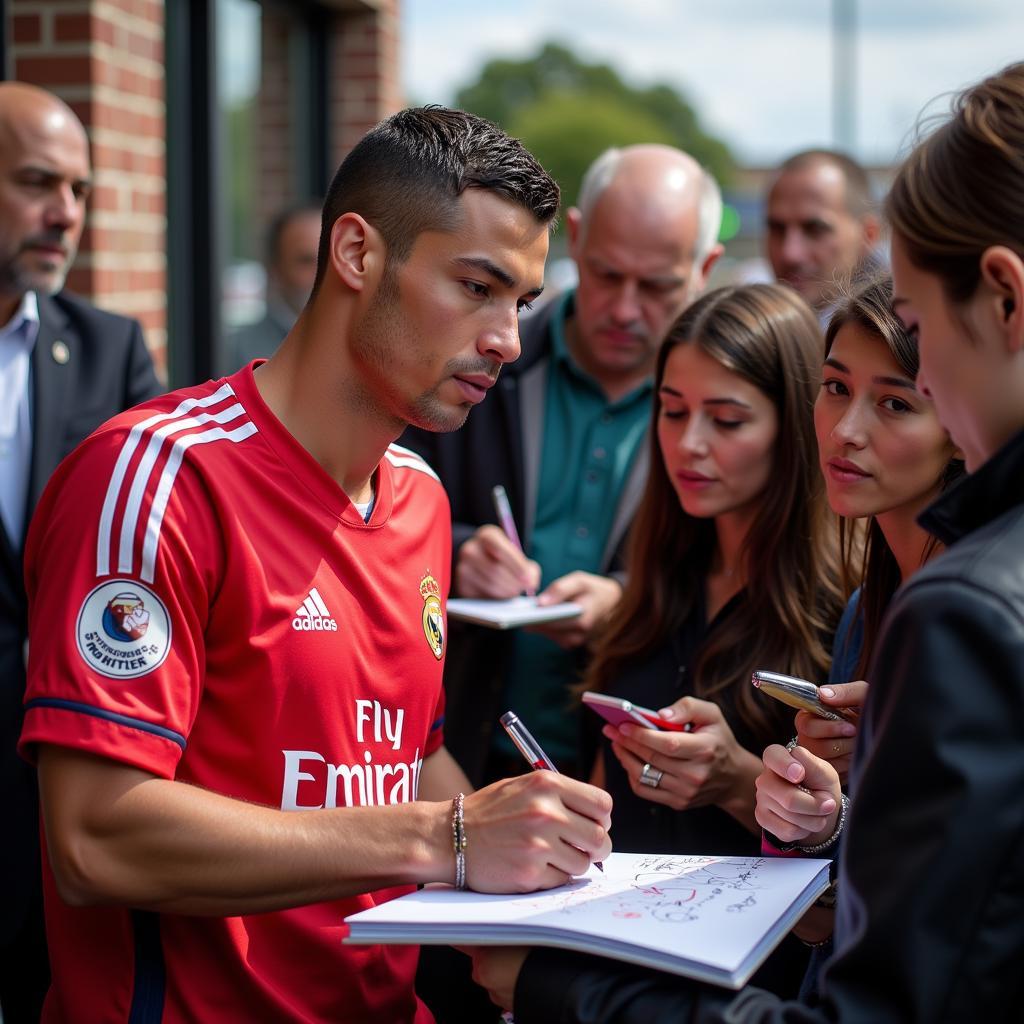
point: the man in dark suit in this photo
(564, 432)
(65, 367)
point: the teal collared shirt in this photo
(588, 448)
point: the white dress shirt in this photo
(17, 339)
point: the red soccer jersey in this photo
(207, 605)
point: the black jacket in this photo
(930, 920)
(107, 369)
(500, 444)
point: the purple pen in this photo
(531, 750)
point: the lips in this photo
(474, 386)
(691, 480)
(845, 471)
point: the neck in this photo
(8, 307)
(312, 387)
(906, 540)
(614, 383)
(731, 532)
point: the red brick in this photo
(26, 28)
(73, 28)
(74, 69)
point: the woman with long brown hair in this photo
(732, 568)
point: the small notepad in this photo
(516, 611)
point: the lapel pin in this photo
(60, 352)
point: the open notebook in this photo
(711, 918)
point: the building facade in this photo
(206, 117)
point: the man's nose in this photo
(626, 305)
(64, 208)
(501, 341)
(794, 246)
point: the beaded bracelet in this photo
(830, 842)
(459, 840)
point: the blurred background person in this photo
(292, 241)
(820, 224)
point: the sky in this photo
(758, 72)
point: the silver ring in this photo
(651, 776)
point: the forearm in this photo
(119, 835)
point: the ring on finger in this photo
(651, 776)
(836, 748)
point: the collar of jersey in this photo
(307, 472)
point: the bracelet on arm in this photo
(459, 840)
(832, 839)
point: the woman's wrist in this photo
(742, 799)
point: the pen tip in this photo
(599, 866)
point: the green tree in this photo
(567, 111)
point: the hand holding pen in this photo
(531, 750)
(491, 564)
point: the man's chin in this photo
(441, 421)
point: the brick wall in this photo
(105, 58)
(363, 70)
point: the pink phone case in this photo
(619, 711)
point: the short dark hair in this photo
(859, 200)
(281, 220)
(406, 174)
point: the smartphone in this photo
(800, 694)
(619, 712)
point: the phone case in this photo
(619, 711)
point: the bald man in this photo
(564, 433)
(821, 225)
(65, 367)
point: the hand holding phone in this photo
(618, 712)
(800, 694)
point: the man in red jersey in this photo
(237, 627)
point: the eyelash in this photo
(829, 385)
(722, 424)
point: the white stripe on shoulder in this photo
(137, 494)
(167, 477)
(404, 457)
(125, 457)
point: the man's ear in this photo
(357, 252)
(709, 261)
(871, 231)
(1002, 275)
(573, 229)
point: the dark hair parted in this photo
(406, 175)
(770, 337)
(959, 192)
(869, 308)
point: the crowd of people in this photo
(229, 674)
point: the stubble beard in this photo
(378, 338)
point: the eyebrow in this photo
(51, 174)
(666, 390)
(498, 273)
(896, 382)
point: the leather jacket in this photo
(930, 918)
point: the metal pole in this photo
(844, 75)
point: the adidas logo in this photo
(312, 614)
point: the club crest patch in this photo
(433, 617)
(123, 630)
